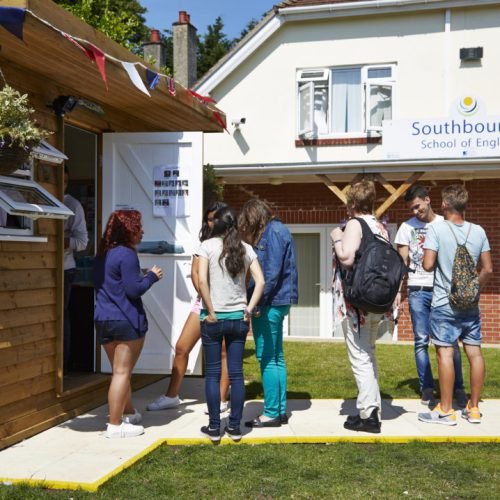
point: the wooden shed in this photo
(84, 87)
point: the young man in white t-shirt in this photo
(410, 240)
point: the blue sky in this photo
(235, 13)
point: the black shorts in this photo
(121, 330)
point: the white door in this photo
(161, 175)
(312, 316)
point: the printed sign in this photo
(170, 192)
(467, 132)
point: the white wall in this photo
(430, 78)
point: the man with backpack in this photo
(454, 248)
(410, 240)
(367, 277)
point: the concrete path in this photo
(76, 453)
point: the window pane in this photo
(379, 72)
(305, 98)
(380, 99)
(23, 194)
(321, 109)
(346, 100)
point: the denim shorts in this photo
(448, 325)
(120, 330)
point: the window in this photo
(347, 101)
(22, 200)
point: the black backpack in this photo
(375, 277)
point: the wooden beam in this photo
(386, 184)
(397, 193)
(332, 187)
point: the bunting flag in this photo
(96, 54)
(135, 77)
(171, 85)
(12, 19)
(201, 98)
(218, 118)
(152, 78)
(73, 41)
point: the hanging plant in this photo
(18, 130)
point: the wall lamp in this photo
(66, 103)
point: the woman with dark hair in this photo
(275, 250)
(224, 262)
(120, 318)
(191, 334)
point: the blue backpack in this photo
(373, 282)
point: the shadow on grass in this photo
(412, 383)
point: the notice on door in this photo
(170, 192)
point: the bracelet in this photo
(336, 241)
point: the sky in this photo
(235, 14)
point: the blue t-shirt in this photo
(440, 239)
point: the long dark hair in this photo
(122, 228)
(213, 207)
(253, 219)
(233, 251)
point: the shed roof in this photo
(47, 53)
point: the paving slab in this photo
(76, 454)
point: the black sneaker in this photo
(212, 434)
(370, 424)
(234, 434)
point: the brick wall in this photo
(315, 204)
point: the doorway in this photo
(81, 147)
(312, 316)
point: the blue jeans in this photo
(234, 332)
(69, 278)
(420, 312)
(268, 335)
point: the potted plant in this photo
(19, 133)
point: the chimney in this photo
(155, 50)
(185, 48)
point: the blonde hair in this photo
(361, 196)
(455, 196)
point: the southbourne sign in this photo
(467, 132)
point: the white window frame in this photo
(53, 209)
(367, 82)
(306, 79)
(309, 78)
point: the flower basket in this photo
(12, 158)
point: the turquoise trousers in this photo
(268, 335)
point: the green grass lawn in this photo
(321, 370)
(341, 470)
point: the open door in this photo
(161, 175)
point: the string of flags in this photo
(13, 18)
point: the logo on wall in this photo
(468, 106)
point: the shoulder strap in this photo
(456, 239)
(367, 232)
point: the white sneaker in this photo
(132, 418)
(224, 406)
(124, 430)
(164, 403)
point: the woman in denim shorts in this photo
(120, 318)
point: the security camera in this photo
(236, 122)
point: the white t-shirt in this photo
(412, 234)
(228, 294)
